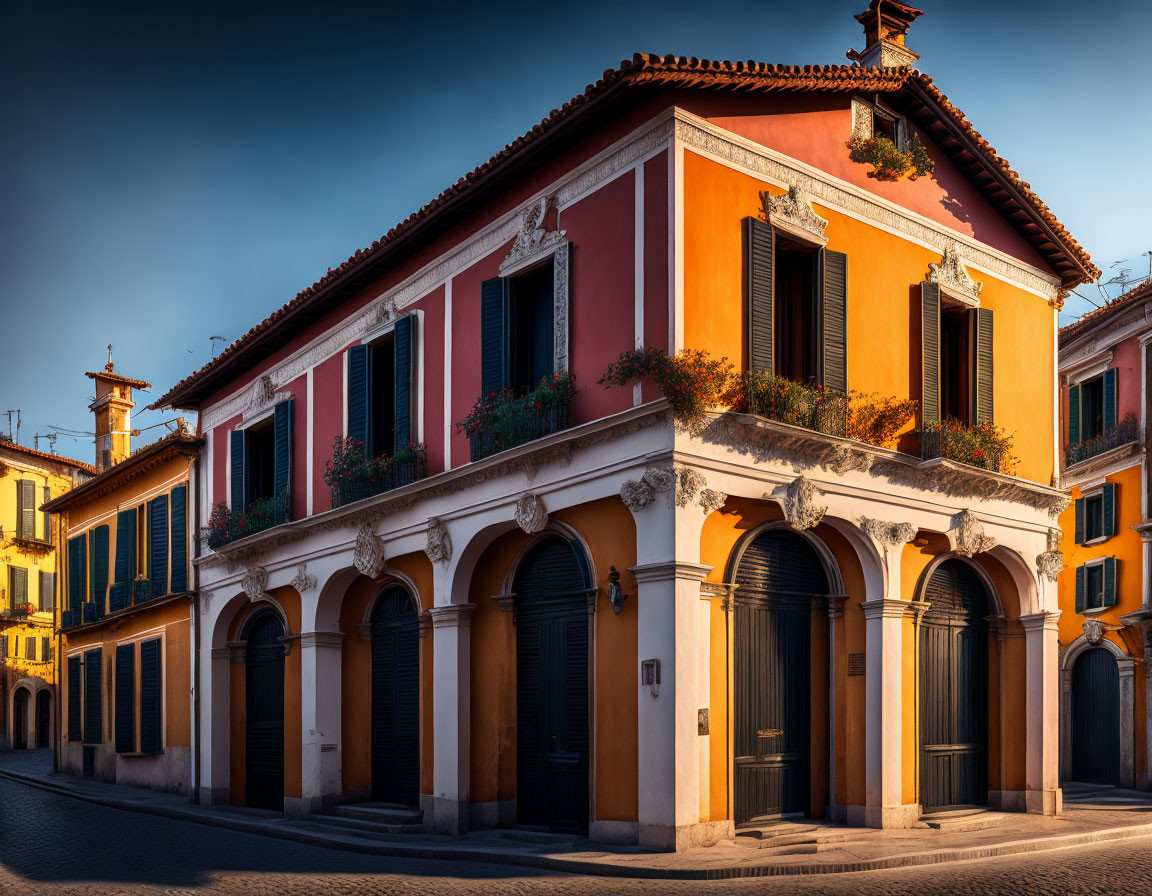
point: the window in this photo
(380, 390)
(1094, 589)
(46, 649)
(1096, 515)
(956, 364)
(158, 545)
(30, 648)
(125, 694)
(75, 698)
(795, 312)
(3, 647)
(17, 586)
(956, 358)
(47, 496)
(1092, 407)
(47, 591)
(151, 698)
(517, 332)
(26, 509)
(1096, 585)
(93, 678)
(261, 460)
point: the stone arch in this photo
(823, 552)
(936, 562)
(1126, 669)
(568, 533)
(391, 579)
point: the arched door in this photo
(954, 689)
(395, 699)
(264, 713)
(779, 574)
(1096, 717)
(20, 720)
(551, 589)
(43, 719)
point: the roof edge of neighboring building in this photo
(1098, 316)
(57, 458)
(650, 72)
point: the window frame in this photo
(1095, 565)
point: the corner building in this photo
(812, 625)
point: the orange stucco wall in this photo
(884, 275)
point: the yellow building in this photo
(127, 605)
(29, 544)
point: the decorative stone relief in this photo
(800, 504)
(887, 535)
(303, 582)
(636, 494)
(368, 558)
(861, 119)
(968, 536)
(560, 306)
(262, 396)
(255, 583)
(793, 212)
(383, 313)
(439, 546)
(530, 513)
(688, 483)
(1093, 631)
(711, 500)
(531, 237)
(951, 274)
(1050, 563)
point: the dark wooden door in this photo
(778, 575)
(395, 699)
(43, 719)
(20, 720)
(264, 714)
(551, 590)
(954, 690)
(1096, 717)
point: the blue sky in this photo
(175, 172)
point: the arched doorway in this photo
(20, 719)
(395, 699)
(43, 719)
(779, 574)
(1096, 717)
(954, 689)
(551, 588)
(264, 712)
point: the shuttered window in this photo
(26, 509)
(239, 496)
(402, 354)
(74, 699)
(930, 352)
(119, 595)
(983, 365)
(158, 545)
(77, 564)
(493, 335)
(956, 360)
(179, 539)
(1095, 515)
(834, 323)
(125, 726)
(380, 390)
(151, 708)
(758, 288)
(99, 581)
(93, 683)
(47, 516)
(1074, 416)
(30, 649)
(359, 393)
(47, 591)
(282, 447)
(1096, 585)
(1109, 398)
(17, 586)
(46, 649)
(1092, 409)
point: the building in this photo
(577, 612)
(1104, 637)
(29, 543)
(127, 607)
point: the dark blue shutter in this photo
(150, 702)
(282, 466)
(930, 352)
(983, 365)
(125, 698)
(99, 567)
(835, 321)
(359, 388)
(125, 545)
(1108, 507)
(93, 681)
(1074, 415)
(759, 295)
(239, 471)
(158, 545)
(403, 382)
(1109, 398)
(1080, 503)
(75, 730)
(76, 567)
(493, 335)
(179, 539)
(1109, 582)
(1081, 587)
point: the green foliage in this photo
(984, 445)
(878, 419)
(692, 381)
(889, 163)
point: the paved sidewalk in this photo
(791, 850)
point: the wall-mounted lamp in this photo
(616, 595)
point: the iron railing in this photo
(368, 485)
(141, 591)
(259, 516)
(1121, 434)
(940, 443)
(16, 611)
(517, 430)
(822, 412)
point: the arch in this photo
(21, 700)
(395, 695)
(555, 529)
(828, 562)
(1095, 716)
(1125, 668)
(990, 591)
(1073, 651)
(394, 579)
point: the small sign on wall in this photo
(855, 664)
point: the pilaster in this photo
(1042, 713)
(320, 664)
(448, 812)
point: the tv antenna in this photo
(14, 440)
(214, 340)
(51, 437)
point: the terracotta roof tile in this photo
(32, 452)
(655, 72)
(117, 378)
(1096, 315)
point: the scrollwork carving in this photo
(951, 274)
(711, 500)
(887, 535)
(439, 545)
(689, 482)
(303, 582)
(1050, 563)
(968, 536)
(531, 237)
(793, 212)
(255, 583)
(800, 504)
(368, 557)
(530, 513)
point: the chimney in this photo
(113, 410)
(885, 27)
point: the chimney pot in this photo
(885, 28)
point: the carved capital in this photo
(255, 583)
(801, 507)
(530, 513)
(711, 500)
(967, 534)
(439, 545)
(689, 482)
(303, 582)
(368, 558)
(636, 494)
(887, 535)
(952, 276)
(452, 615)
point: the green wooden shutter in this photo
(19, 580)
(282, 450)
(47, 516)
(835, 321)
(125, 728)
(30, 649)
(239, 496)
(46, 649)
(179, 539)
(151, 709)
(930, 352)
(26, 509)
(983, 365)
(126, 545)
(1081, 587)
(493, 335)
(93, 682)
(76, 565)
(75, 730)
(158, 545)
(360, 395)
(1108, 506)
(1109, 581)
(99, 591)
(47, 591)
(403, 381)
(1074, 415)
(1109, 398)
(759, 293)
(1080, 504)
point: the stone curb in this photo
(599, 869)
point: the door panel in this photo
(264, 714)
(1096, 717)
(396, 699)
(20, 720)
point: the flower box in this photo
(535, 425)
(226, 526)
(370, 481)
(1127, 430)
(786, 401)
(981, 446)
(141, 591)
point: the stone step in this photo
(528, 835)
(819, 838)
(950, 823)
(380, 813)
(357, 825)
(1075, 790)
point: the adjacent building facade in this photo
(29, 546)
(581, 610)
(1104, 627)
(127, 605)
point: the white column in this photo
(215, 709)
(1127, 674)
(320, 703)
(447, 812)
(1042, 708)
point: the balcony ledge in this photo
(1085, 468)
(766, 439)
(134, 610)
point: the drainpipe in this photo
(194, 609)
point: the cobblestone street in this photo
(110, 851)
